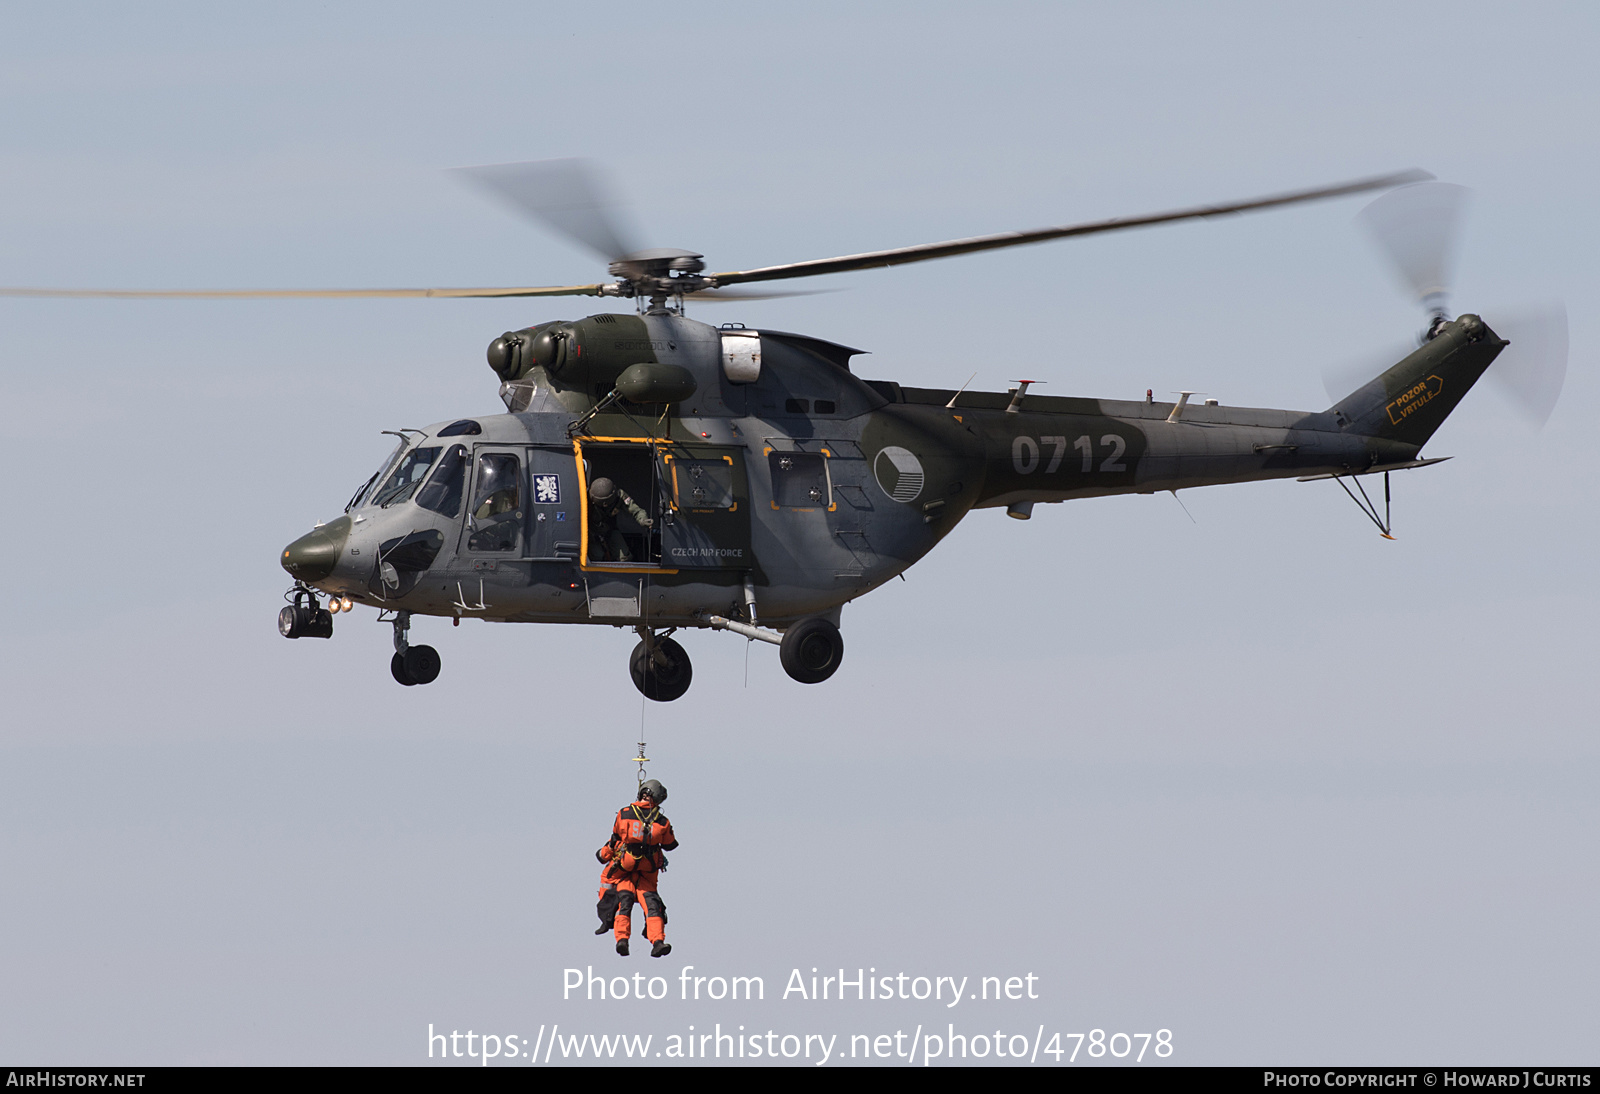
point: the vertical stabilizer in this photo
(1410, 401)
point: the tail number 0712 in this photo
(1026, 453)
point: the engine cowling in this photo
(585, 355)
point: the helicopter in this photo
(763, 483)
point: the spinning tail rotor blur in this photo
(1418, 228)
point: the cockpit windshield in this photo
(406, 477)
(366, 487)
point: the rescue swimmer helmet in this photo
(653, 790)
(602, 489)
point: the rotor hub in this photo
(659, 273)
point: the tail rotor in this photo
(1418, 229)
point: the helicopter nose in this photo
(313, 556)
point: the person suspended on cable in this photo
(633, 857)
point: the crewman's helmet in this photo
(653, 790)
(602, 489)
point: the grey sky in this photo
(1296, 793)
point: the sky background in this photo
(1296, 793)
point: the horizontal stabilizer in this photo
(1376, 469)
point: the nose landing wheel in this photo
(410, 664)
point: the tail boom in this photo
(1051, 449)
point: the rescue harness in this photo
(642, 835)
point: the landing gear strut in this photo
(811, 650)
(411, 664)
(660, 667)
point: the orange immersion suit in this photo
(634, 858)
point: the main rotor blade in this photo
(734, 296)
(269, 294)
(901, 255)
(1417, 228)
(564, 195)
(1532, 370)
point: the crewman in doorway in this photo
(607, 500)
(634, 856)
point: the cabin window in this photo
(826, 406)
(797, 406)
(702, 484)
(800, 480)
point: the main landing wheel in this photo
(663, 683)
(418, 665)
(811, 650)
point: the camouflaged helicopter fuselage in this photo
(794, 473)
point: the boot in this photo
(661, 948)
(622, 947)
(603, 928)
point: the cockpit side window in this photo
(496, 504)
(405, 478)
(443, 492)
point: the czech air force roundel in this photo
(899, 472)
